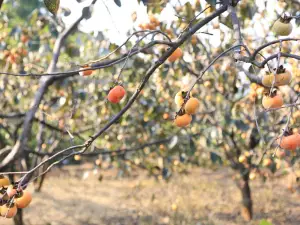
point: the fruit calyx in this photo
(272, 94)
(285, 19)
(287, 132)
(181, 112)
(280, 70)
(19, 194)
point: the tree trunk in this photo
(18, 219)
(247, 210)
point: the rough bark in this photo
(247, 206)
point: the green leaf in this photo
(241, 125)
(52, 5)
(215, 158)
(192, 148)
(189, 11)
(265, 222)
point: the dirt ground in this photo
(203, 197)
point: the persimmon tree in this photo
(165, 95)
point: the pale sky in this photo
(116, 23)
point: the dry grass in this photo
(203, 197)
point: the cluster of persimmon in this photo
(272, 98)
(187, 106)
(151, 25)
(12, 198)
(290, 141)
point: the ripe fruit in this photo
(191, 106)
(290, 142)
(166, 116)
(183, 121)
(85, 72)
(116, 94)
(242, 159)
(282, 77)
(273, 101)
(77, 157)
(282, 26)
(267, 162)
(9, 210)
(179, 98)
(4, 181)
(252, 175)
(175, 55)
(11, 191)
(24, 200)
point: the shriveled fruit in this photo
(282, 77)
(183, 121)
(4, 181)
(191, 106)
(175, 55)
(282, 27)
(153, 20)
(290, 142)
(116, 94)
(194, 40)
(273, 101)
(11, 191)
(142, 26)
(85, 72)
(24, 200)
(9, 210)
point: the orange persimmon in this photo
(183, 121)
(85, 72)
(272, 101)
(290, 142)
(116, 94)
(191, 106)
(24, 200)
(175, 55)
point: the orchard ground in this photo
(202, 197)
